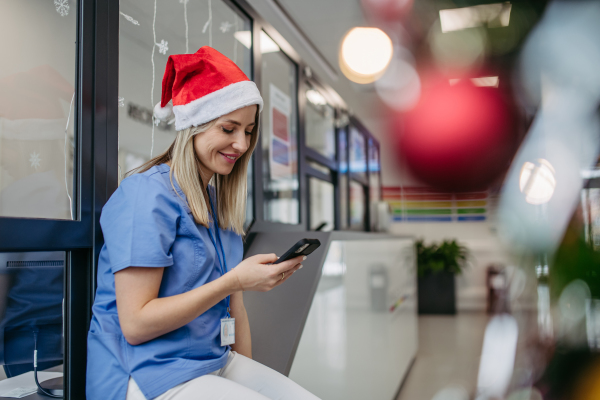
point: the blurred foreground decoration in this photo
(561, 84)
(387, 10)
(400, 86)
(458, 138)
(497, 357)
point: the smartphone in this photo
(302, 248)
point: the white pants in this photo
(240, 378)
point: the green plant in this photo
(447, 256)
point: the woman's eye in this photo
(227, 130)
(249, 133)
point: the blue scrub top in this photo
(146, 224)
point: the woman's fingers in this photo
(255, 274)
(287, 265)
(286, 275)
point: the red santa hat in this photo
(202, 87)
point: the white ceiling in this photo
(325, 22)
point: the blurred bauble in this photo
(457, 138)
(387, 10)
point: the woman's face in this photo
(219, 148)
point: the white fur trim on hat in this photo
(163, 113)
(216, 104)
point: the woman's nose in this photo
(240, 143)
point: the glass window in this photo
(343, 178)
(374, 172)
(358, 157)
(321, 205)
(357, 206)
(279, 136)
(37, 108)
(31, 301)
(320, 124)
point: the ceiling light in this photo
(315, 97)
(490, 15)
(267, 45)
(537, 181)
(365, 54)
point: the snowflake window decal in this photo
(62, 7)
(129, 18)
(121, 101)
(34, 159)
(225, 26)
(163, 47)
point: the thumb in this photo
(264, 258)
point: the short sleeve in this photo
(139, 224)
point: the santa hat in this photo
(202, 87)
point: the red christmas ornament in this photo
(458, 138)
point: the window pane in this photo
(321, 205)
(31, 300)
(320, 124)
(37, 113)
(181, 27)
(357, 206)
(279, 136)
(374, 168)
(358, 158)
(343, 178)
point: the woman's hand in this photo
(259, 274)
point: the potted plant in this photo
(436, 266)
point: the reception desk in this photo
(344, 326)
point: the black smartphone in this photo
(302, 248)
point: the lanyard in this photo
(222, 263)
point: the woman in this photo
(167, 293)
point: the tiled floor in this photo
(449, 351)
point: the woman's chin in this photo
(224, 170)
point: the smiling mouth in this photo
(229, 158)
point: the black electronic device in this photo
(302, 248)
(52, 388)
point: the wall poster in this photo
(280, 154)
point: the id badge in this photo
(227, 331)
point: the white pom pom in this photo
(163, 113)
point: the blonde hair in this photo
(231, 189)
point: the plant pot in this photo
(437, 293)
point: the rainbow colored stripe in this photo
(418, 204)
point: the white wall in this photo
(483, 244)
